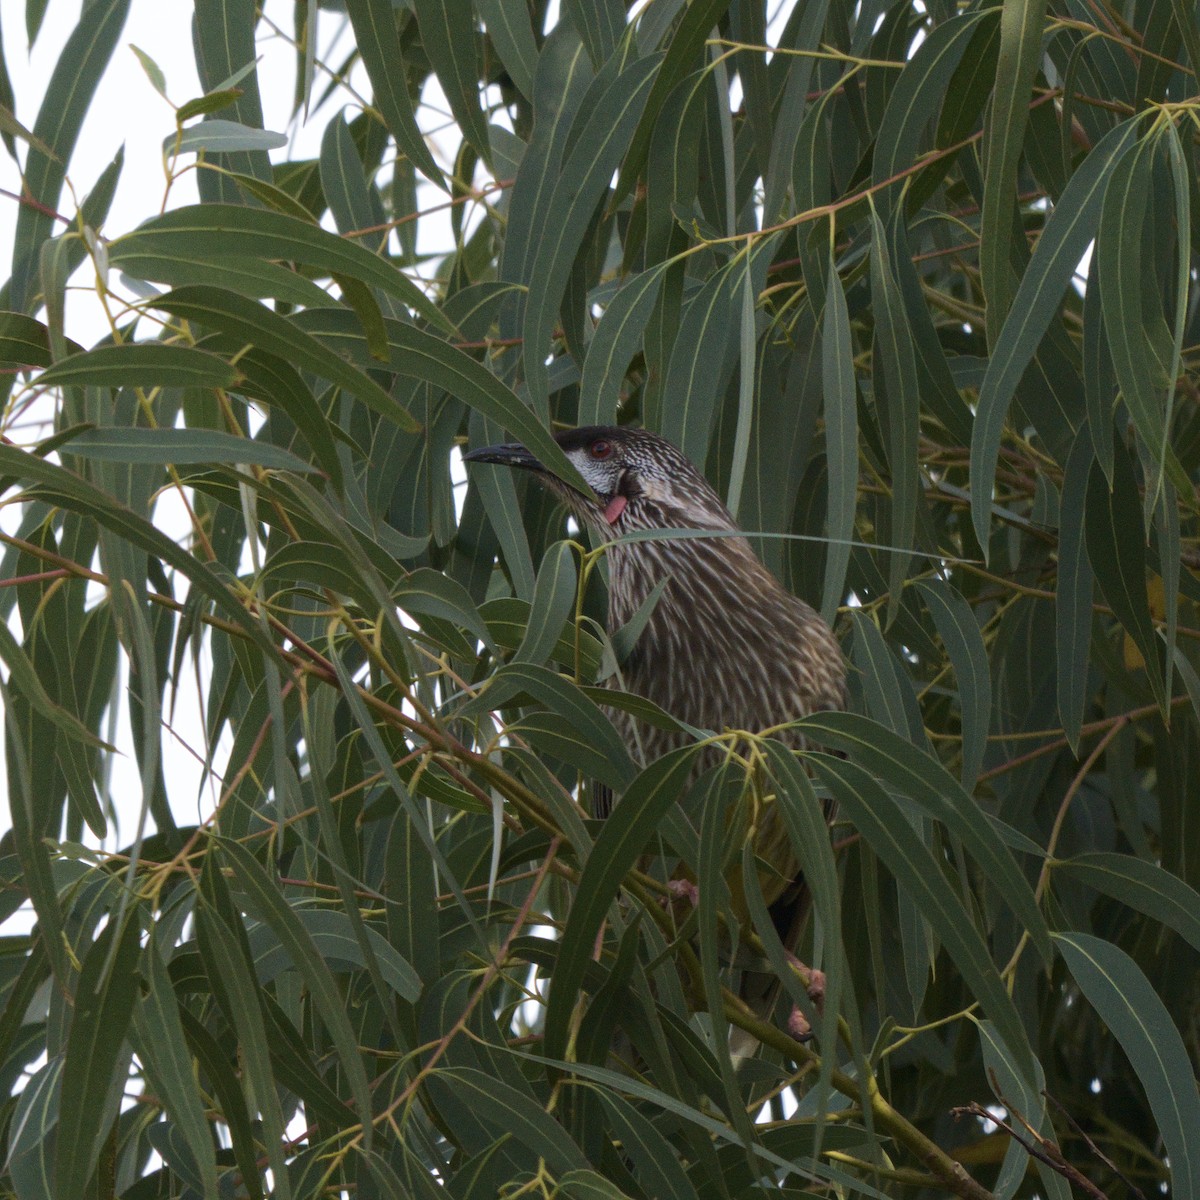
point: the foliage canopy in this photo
(831, 249)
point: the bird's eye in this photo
(600, 449)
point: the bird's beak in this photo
(512, 454)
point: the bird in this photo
(726, 646)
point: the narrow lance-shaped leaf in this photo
(959, 631)
(1139, 340)
(614, 343)
(686, 43)
(1070, 229)
(223, 41)
(259, 233)
(68, 95)
(141, 364)
(1141, 885)
(620, 842)
(1131, 1009)
(807, 823)
(841, 439)
(181, 446)
(73, 492)
(585, 176)
(553, 602)
(919, 93)
(717, 791)
(1021, 23)
(925, 781)
(1010, 1085)
(222, 137)
(162, 1047)
(1116, 547)
(897, 369)
(746, 378)
(890, 835)
(374, 23)
(267, 900)
(1073, 607)
(216, 308)
(222, 942)
(418, 354)
(512, 36)
(443, 24)
(104, 999)
(507, 1110)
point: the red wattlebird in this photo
(725, 647)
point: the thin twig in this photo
(1036, 1146)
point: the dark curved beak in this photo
(512, 454)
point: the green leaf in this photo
(959, 631)
(1116, 546)
(841, 439)
(1021, 28)
(1073, 599)
(586, 173)
(443, 24)
(807, 824)
(893, 760)
(553, 603)
(568, 702)
(897, 370)
(221, 137)
(416, 354)
(249, 277)
(886, 827)
(334, 936)
(104, 1000)
(161, 1046)
(1071, 226)
(268, 903)
(886, 686)
(621, 840)
(226, 1086)
(374, 23)
(506, 1110)
(141, 364)
(209, 103)
(654, 1159)
(68, 98)
(1128, 1005)
(1027, 1096)
(702, 358)
(1141, 885)
(222, 943)
(223, 40)
(511, 34)
(237, 316)
(24, 341)
(224, 230)
(1139, 340)
(614, 343)
(687, 41)
(920, 92)
(34, 1126)
(23, 677)
(69, 490)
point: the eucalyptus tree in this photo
(913, 282)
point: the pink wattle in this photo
(614, 508)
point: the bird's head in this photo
(639, 480)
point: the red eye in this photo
(600, 449)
